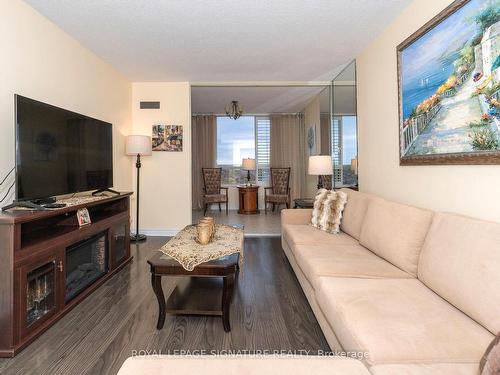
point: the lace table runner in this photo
(189, 253)
(72, 201)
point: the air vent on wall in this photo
(150, 105)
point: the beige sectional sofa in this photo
(242, 365)
(418, 291)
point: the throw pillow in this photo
(490, 363)
(319, 201)
(327, 210)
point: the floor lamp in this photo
(138, 145)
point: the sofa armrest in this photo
(296, 216)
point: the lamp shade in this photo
(138, 145)
(320, 165)
(248, 164)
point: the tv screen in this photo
(60, 152)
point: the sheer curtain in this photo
(288, 149)
(204, 146)
(325, 134)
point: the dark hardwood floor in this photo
(269, 312)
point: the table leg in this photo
(227, 293)
(156, 283)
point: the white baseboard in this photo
(173, 232)
(159, 232)
(262, 235)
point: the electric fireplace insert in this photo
(86, 262)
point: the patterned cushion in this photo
(490, 363)
(280, 179)
(212, 180)
(277, 198)
(327, 210)
(215, 198)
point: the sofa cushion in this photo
(426, 369)
(241, 364)
(306, 234)
(295, 216)
(460, 261)
(395, 232)
(399, 320)
(354, 212)
(343, 261)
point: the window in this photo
(344, 150)
(246, 137)
(263, 152)
(336, 143)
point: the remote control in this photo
(54, 205)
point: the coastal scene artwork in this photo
(449, 81)
(167, 138)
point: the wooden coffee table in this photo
(201, 293)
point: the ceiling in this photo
(265, 100)
(255, 100)
(223, 40)
(278, 99)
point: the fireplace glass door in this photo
(40, 293)
(120, 244)
(86, 262)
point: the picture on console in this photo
(83, 217)
(167, 138)
(449, 85)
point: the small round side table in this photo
(249, 200)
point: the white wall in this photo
(469, 190)
(40, 61)
(165, 200)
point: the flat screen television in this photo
(60, 152)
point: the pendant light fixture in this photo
(234, 110)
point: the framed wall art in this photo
(167, 138)
(449, 87)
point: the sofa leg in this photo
(205, 210)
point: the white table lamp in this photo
(320, 165)
(248, 164)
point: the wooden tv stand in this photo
(49, 264)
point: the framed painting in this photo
(449, 81)
(167, 138)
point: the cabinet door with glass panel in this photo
(39, 283)
(119, 244)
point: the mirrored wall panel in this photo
(343, 128)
